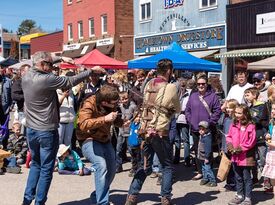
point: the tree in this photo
(26, 26)
(14, 53)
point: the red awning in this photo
(68, 66)
(96, 58)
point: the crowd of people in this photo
(102, 115)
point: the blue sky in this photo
(46, 13)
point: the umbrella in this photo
(181, 59)
(265, 64)
(96, 58)
(18, 65)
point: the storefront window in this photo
(145, 10)
(207, 3)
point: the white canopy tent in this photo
(265, 64)
(18, 65)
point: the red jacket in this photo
(245, 138)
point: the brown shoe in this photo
(131, 200)
(166, 201)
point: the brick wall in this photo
(124, 27)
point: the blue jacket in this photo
(196, 112)
(72, 162)
(205, 147)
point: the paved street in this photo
(75, 190)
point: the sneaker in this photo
(13, 170)
(236, 200)
(204, 182)
(247, 201)
(269, 191)
(154, 175)
(131, 200)
(211, 184)
(159, 181)
(166, 201)
(197, 177)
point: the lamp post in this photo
(19, 34)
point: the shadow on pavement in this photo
(196, 198)
(260, 196)
(81, 202)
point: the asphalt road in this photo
(75, 190)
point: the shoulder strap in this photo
(205, 105)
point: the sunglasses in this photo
(199, 84)
(256, 80)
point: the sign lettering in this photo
(172, 3)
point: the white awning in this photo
(202, 54)
(247, 52)
(265, 64)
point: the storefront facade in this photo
(198, 26)
(250, 32)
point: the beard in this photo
(108, 109)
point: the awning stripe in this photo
(247, 52)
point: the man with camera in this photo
(96, 116)
(42, 118)
(161, 102)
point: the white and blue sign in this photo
(172, 3)
(191, 40)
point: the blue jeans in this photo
(43, 147)
(102, 156)
(244, 183)
(164, 150)
(207, 172)
(65, 132)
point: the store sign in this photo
(1, 41)
(174, 16)
(71, 47)
(197, 39)
(172, 3)
(105, 42)
(265, 23)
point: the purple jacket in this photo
(195, 111)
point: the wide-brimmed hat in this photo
(62, 149)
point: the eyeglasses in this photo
(199, 84)
(50, 64)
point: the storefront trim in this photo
(247, 53)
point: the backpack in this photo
(150, 93)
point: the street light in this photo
(19, 34)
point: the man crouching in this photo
(96, 116)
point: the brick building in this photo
(52, 42)
(105, 25)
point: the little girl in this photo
(269, 168)
(241, 141)
(69, 162)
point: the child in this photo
(134, 143)
(241, 141)
(69, 162)
(127, 108)
(259, 113)
(227, 121)
(205, 155)
(269, 168)
(17, 145)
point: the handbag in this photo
(224, 168)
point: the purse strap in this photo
(205, 105)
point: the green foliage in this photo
(26, 26)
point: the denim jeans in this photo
(196, 138)
(207, 172)
(164, 150)
(65, 132)
(43, 146)
(121, 140)
(184, 133)
(135, 157)
(102, 156)
(244, 183)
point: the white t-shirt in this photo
(237, 92)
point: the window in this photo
(80, 29)
(145, 10)
(70, 1)
(70, 32)
(208, 3)
(104, 24)
(91, 27)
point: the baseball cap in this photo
(258, 76)
(204, 124)
(273, 78)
